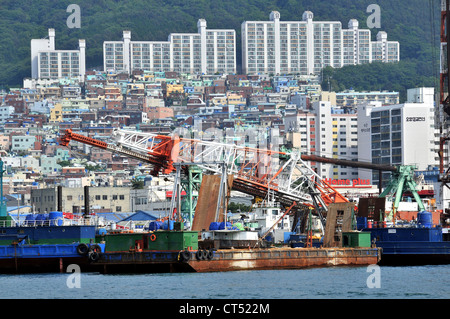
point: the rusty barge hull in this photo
(286, 258)
(235, 259)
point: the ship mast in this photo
(444, 99)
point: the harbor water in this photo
(418, 282)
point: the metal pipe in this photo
(60, 207)
(322, 159)
(447, 21)
(86, 201)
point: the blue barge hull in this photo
(24, 258)
(411, 245)
(49, 234)
(414, 253)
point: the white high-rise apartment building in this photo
(48, 63)
(307, 46)
(204, 52)
(336, 137)
(401, 134)
(327, 131)
(384, 50)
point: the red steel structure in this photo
(255, 171)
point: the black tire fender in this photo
(82, 249)
(185, 256)
(94, 256)
(204, 254)
(210, 254)
(199, 255)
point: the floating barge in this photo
(235, 259)
(178, 251)
(26, 258)
(285, 258)
(418, 243)
(412, 246)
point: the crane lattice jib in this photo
(157, 153)
(255, 170)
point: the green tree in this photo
(137, 183)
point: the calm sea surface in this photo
(421, 282)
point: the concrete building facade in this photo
(325, 131)
(401, 134)
(113, 199)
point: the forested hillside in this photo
(410, 22)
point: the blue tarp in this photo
(141, 215)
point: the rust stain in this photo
(288, 258)
(205, 211)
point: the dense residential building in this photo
(325, 131)
(48, 63)
(185, 85)
(336, 137)
(352, 98)
(384, 50)
(5, 112)
(22, 143)
(307, 46)
(393, 133)
(204, 52)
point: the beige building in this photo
(56, 113)
(109, 199)
(4, 142)
(328, 96)
(235, 99)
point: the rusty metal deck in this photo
(285, 258)
(236, 259)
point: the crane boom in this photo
(159, 154)
(256, 171)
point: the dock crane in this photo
(255, 171)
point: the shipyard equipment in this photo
(255, 171)
(402, 180)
